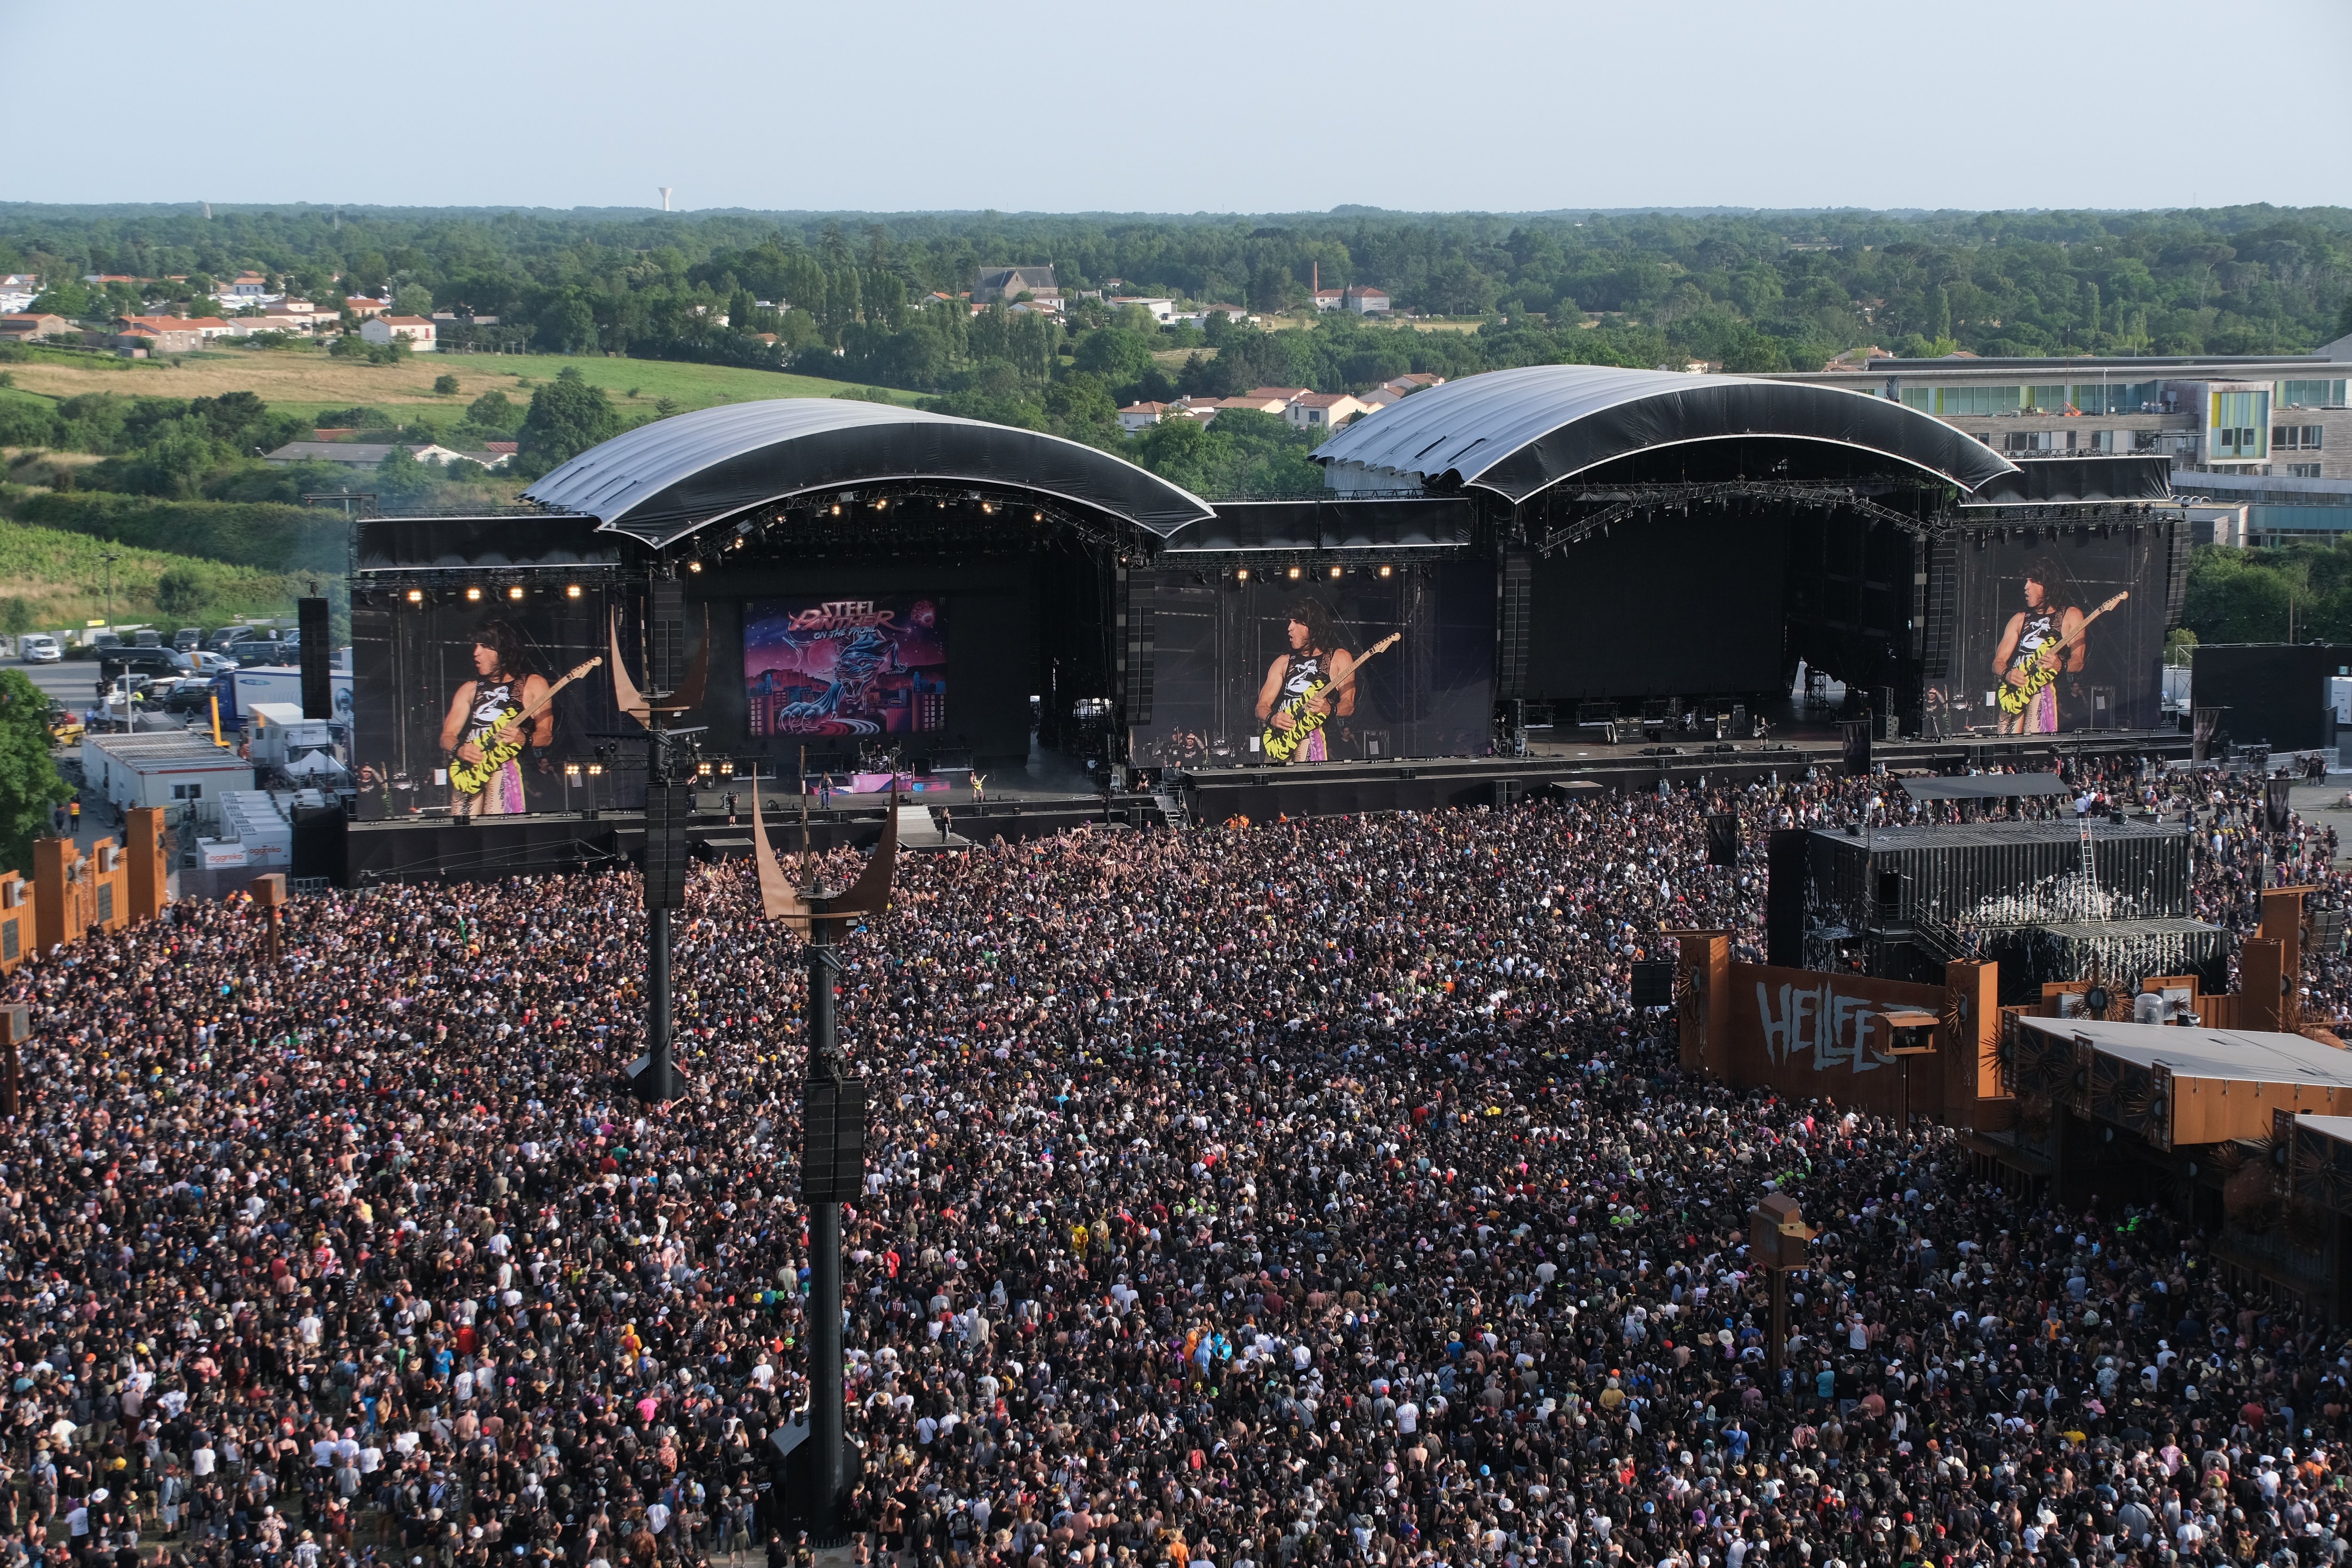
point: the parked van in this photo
(38, 647)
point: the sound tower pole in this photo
(668, 804)
(824, 1088)
(658, 1084)
(818, 1467)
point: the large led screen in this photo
(842, 667)
(1273, 671)
(2058, 631)
(490, 707)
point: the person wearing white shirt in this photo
(1408, 1418)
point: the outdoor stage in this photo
(1503, 568)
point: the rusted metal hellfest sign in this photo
(1820, 1026)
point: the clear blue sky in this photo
(1499, 105)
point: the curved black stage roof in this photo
(662, 482)
(1515, 432)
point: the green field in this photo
(62, 579)
(307, 381)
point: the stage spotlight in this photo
(836, 509)
(988, 509)
(1335, 571)
(572, 770)
(727, 769)
(1036, 517)
(572, 590)
(416, 595)
(596, 769)
(1294, 574)
(694, 565)
(1241, 574)
(473, 595)
(1387, 570)
(702, 770)
(515, 592)
(881, 502)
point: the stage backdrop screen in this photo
(1362, 666)
(441, 693)
(2068, 625)
(839, 668)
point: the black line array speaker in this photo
(318, 659)
(666, 808)
(1784, 898)
(1722, 839)
(319, 845)
(666, 634)
(1143, 589)
(1517, 609)
(1856, 733)
(833, 1140)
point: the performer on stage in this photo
(484, 720)
(2031, 651)
(1306, 687)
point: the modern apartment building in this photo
(2271, 431)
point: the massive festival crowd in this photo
(1302, 1195)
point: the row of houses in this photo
(146, 336)
(1297, 406)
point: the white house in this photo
(1323, 410)
(1141, 415)
(417, 332)
(1162, 310)
(1365, 299)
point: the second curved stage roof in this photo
(1515, 432)
(660, 482)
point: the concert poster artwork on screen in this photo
(2057, 631)
(491, 708)
(834, 669)
(1358, 668)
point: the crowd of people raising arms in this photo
(1302, 1195)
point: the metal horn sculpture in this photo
(796, 906)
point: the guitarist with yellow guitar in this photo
(492, 721)
(2042, 643)
(1307, 687)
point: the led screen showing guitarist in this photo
(2042, 651)
(485, 725)
(1306, 687)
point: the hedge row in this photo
(267, 534)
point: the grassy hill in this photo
(61, 579)
(306, 381)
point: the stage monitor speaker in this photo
(1784, 899)
(667, 809)
(1856, 733)
(1722, 839)
(318, 659)
(1653, 983)
(833, 1141)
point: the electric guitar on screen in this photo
(472, 778)
(2038, 677)
(1306, 715)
